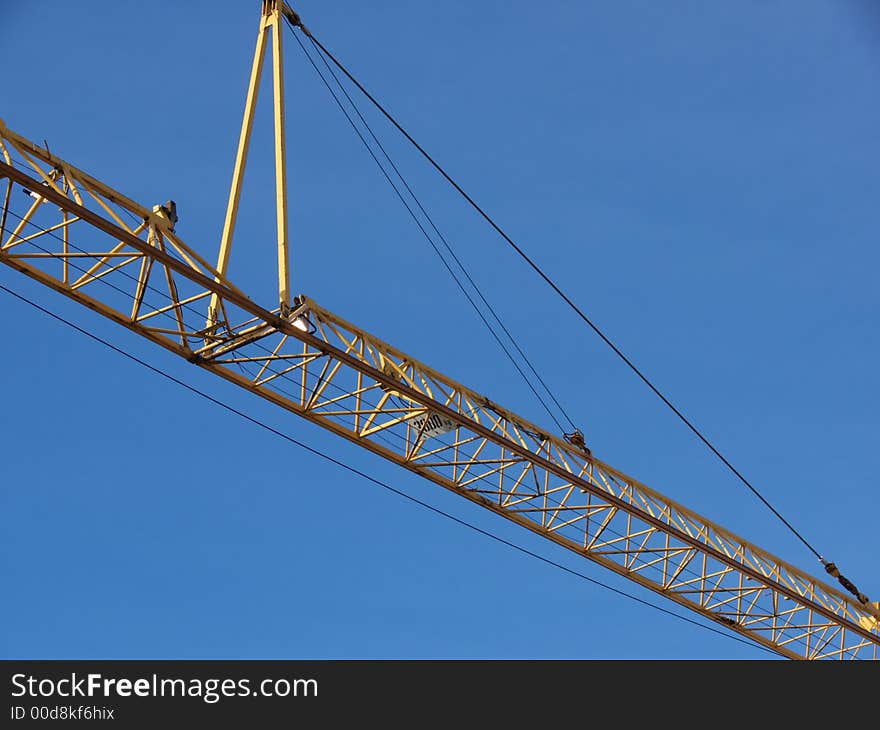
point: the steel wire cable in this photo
(559, 291)
(436, 249)
(440, 235)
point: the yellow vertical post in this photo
(271, 18)
(280, 163)
(240, 161)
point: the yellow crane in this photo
(303, 358)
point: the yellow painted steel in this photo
(309, 361)
(240, 164)
(270, 21)
(280, 160)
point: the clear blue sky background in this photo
(701, 176)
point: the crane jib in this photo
(369, 392)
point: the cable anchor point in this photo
(576, 438)
(293, 17)
(834, 572)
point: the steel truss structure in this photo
(89, 242)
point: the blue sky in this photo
(702, 178)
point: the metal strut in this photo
(270, 22)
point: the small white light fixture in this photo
(301, 323)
